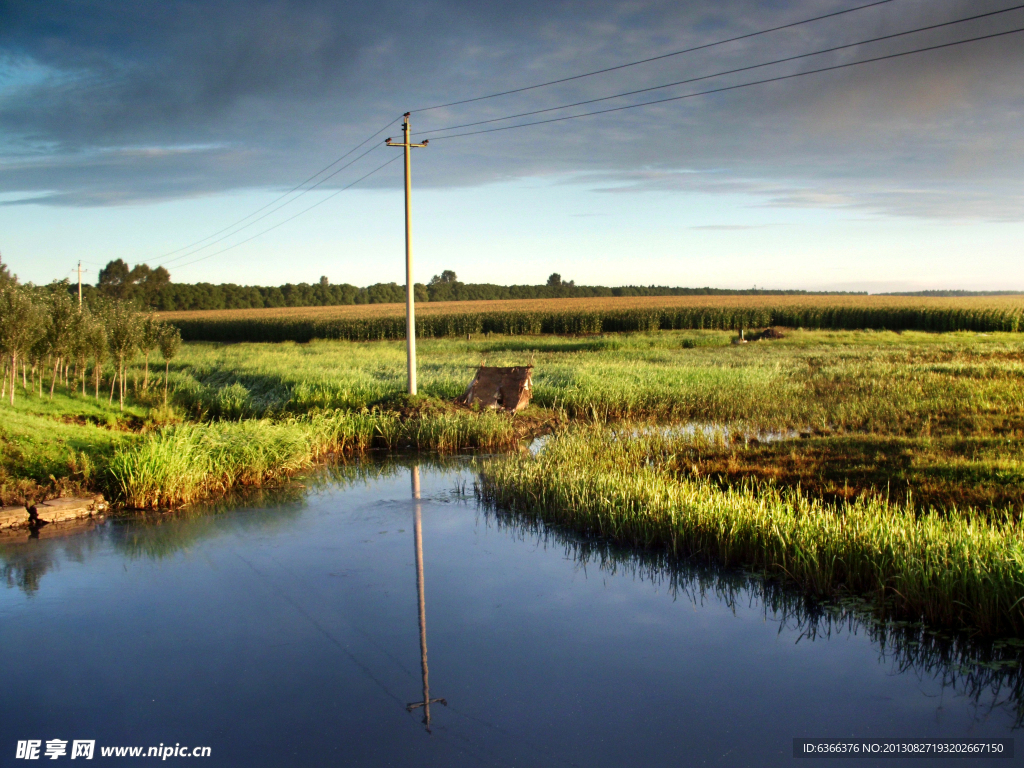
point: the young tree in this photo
(82, 327)
(19, 326)
(96, 341)
(149, 339)
(37, 353)
(124, 327)
(170, 343)
(60, 331)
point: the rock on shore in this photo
(13, 517)
(52, 511)
(68, 508)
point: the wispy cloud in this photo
(731, 227)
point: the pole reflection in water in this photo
(418, 535)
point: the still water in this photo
(308, 628)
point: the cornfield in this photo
(604, 315)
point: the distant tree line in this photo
(48, 340)
(153, 288)
(953, 294)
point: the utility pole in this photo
(80, 271)
(410, 299)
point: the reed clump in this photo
(953, 568)
(182, 464)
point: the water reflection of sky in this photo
(287, 632)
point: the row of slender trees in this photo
(47, 335)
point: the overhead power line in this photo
(723, 73)
(702, 47)
(595, 112)
(290, 191)
(290, 218)
(274, 210)
(226, 231)
(737, 87)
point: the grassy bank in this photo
(61, 446)
(950, 569)
(186, 463)
(937, 416)
(149, 457)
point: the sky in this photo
(134, 130)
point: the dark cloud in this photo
(112, 103)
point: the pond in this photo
(309, 626)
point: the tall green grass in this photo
(182, 464)
(953, 569)
(574, 322)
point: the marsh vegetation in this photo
(937, 417)
(950, 567)
(848, 462)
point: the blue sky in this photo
(129, 133)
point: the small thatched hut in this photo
(506, 388)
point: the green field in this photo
(880, 463)
(937, 414)
(823, 382)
